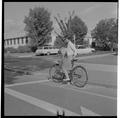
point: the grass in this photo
(9, 76)
(23, 64)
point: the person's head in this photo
(66, 42)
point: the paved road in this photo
(35, 95)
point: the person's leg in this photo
(66, 67)
(66, 74)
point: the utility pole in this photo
(74, 39)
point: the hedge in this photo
(20, 49)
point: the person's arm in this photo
(73, 48)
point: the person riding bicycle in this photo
(68, 54)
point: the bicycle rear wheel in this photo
(54, 73)
(79, 76)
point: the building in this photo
(89, 39)
(16, 42)
(20, 39)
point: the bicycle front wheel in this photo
(79, 76)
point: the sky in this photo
(90, 12)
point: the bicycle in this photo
(78, 79)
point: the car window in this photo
(54, 48)
(50, 47)
(45, 47)
(81, 47)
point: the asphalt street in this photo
(35, 95)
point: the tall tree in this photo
(79, 28)
(73, 27)
(105, 32)
(113, 34)
(38, 26)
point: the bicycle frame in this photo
(61, 74)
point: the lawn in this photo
(24, 64)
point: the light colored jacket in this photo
(71, 50)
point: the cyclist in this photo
(68, 54)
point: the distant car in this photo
(81, 49)
(46, 50)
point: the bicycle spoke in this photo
(79, 76)
(76, 75)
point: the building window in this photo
(7, 42)
(26, 40)
(22, 41)
(18, 41)
(14, 41)
(11, 41)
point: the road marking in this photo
(60, 86)
(25, 83)
(81, 91)
(40, 103)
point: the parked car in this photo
(46, 50)
(81, 49)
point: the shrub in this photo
(11, 50)
(5, 50)
(103, 47)
(22, 49)
(33, 48)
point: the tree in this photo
(38, 26)
(73, 27)
(66, 31)
(79, 28)
(105, 33)
(59, 42)
(113, 35)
